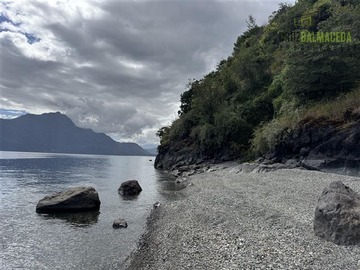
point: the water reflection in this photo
(59, 170)
(129, 198)
(168, 187)
(46, 240)
(168, 182)
(83, 219)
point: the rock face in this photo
(315, 144)
(185, 154)
(76, 199)
(337, 215)
(119, 223)
(321, 144)
(169, 158)
(130, 188)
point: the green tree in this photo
(267, 79)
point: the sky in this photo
(114, 66)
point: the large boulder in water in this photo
(130, 188)
(337, 215)
(75, 199)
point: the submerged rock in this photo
(130, 188)
(120, 223)
(71, 200)
(337, 215)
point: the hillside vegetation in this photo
(304, 64)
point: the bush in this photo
(336, 109)
(266, 136)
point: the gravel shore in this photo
(229, 219)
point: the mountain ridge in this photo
(152, 151)
(56, 133)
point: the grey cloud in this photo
(120, 118)
(122, 72)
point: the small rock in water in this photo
(120, 223)
(156, 205)
(130, 188)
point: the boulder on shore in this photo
(337, 215)
(75, 199)
(119, 223)
(130, 188)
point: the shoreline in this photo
(232, 218)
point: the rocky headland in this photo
(317, 144)
(321, 144)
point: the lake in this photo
(77, 241)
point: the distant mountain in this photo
(152, 151)
(56, 133)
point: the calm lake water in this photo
(78, 241)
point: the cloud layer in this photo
(114, 66)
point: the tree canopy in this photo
(270, 72)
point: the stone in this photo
(130, 188)
(180, 180)
(75, 199)
(156, 205)
(120, 223)
(190, 173)
(176, 173)
(183, 168)
(337, 215)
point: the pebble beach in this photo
(231, 218)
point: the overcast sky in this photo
(115, 66)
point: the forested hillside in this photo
(302, 67)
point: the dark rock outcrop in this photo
(76, 199)
(130, 188)
(119, 223)
(184, 153)
(337, 215)
(170, 158)
(321, 144)
(315, 144)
